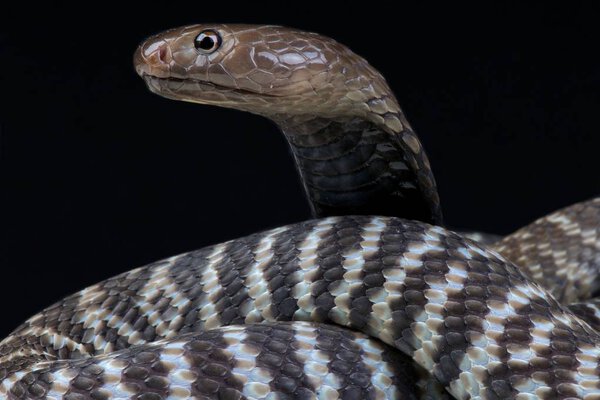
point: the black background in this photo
(99, 175)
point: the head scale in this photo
(268, 70)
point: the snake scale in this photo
(373, 299)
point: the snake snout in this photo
(153, 58)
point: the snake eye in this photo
(207, 41)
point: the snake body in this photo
(342, 306)
(353, 147)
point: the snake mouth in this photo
(201, 90)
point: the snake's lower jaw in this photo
(188, 91)
(155, 86)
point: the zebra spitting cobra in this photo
(372, 299)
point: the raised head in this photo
(267, 70)
(355, 151)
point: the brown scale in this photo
(232, 280)
(345, 362)
(143, 375)
(486, 282)
(356, 153)
(410, 302)
(372, 278)
(277, 347)
(279, 271)
(188, 282)
(212, 367)
(342, 239)
(232, 291)
(316, 93)
(589, 312)
(563, 246)
(458, 312)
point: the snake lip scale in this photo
(371, 299)
(151, 80)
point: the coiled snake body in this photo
(351, 305)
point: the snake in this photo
(373, 298)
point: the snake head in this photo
(267, 70)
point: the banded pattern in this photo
(588, 311)
(560, 251)
(464, 313)
(473, 322)
(287, 360)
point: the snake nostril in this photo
(153, 59)
(163, 54)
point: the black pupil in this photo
(206, 43)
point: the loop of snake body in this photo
(367, 301)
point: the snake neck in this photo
(373, 165)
